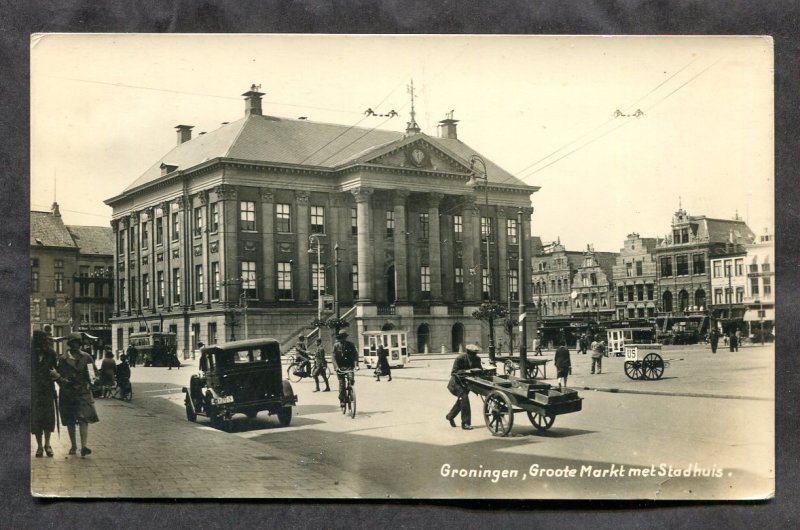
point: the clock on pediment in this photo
(418, 157)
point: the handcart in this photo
(644, 366)
(535, 367)
(503, 395)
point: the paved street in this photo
(712, 413)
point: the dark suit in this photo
(465, 361)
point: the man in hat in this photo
(462, 364)
(75, 399)
(303, 356)
(345, 358)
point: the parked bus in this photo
(154, 348)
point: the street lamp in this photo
(314, 238)
(473, 183)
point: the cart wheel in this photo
(542, 422)
(352, 404)
(285, 416)
(633, 369)
(652, 366)
(509, 368)
(498, 413)
(533, 371)
(190, 414)
(290, 375)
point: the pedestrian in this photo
(583, 344)
(320, 367)
(463, 363)
(123, 376)
(597, 356)
(713, 338)
(75, 400)
(345, 358)
(563, 365)
(43, 391)
(734, 342)
(133, 355)
(383, 362)
(108, 369)
(172, 357)
(303, 356)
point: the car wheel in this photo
(285, 416)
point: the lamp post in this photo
(523, 326)
(336, 280)
(314, 238)
(473, 182)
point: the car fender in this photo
(288, 393)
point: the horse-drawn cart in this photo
(503, 395)
(645, 366)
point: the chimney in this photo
(447, 127)
(252, 101)
(184, 133)
(55, 210)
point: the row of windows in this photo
(627, 292)
(682, 265)
(722, 268)
(130, 235)
(636, 312)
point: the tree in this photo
(490, 311)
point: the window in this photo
(34, 262)
(666, 267)
(631, 312)
(176, 286)
(283, 218)
(159, 231)
(717, 296)
(765, 267)
(132, 237)
(629, 290)
(145, 235)
(458, 226)
(58, 264)
(50, 309)
(198, 282)
(640, 292)
(593, 278)
(59, 282)
(317, 280)
(195, 335)
(640, 312)
(389, 223)
(285, 280)
(753, 268)
(212, 333)
(728, 270)
(639, 268)
(459, 279)
(754, 286)
(176, 227)
(215, 280)
(698, 263)
(553, 286)
(650, 292)
(739, 266)
(122, 299)
(767, 285)
(132, 286)
(424, 225)
(728, 295)
(247, 216)
(121, 242)
(620, 293)
(198, 221)
(684, 235)
(146, 289)
(160, 281)
(629, 270)
(248, 270)
(486, 284)
(682, 265)
(99, 316)
(511, 230)
(214, 223)
(717, 269)
(83, 288)
(739, 295)
(353, 221)
(354, 281)
(651, 312)
(584, 280)
(35, 281)
(486, 227)
(513, 284)
(425, 279)
(317, 219)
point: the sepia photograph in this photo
(402, 267)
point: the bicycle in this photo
(294, 372)
(349, 405)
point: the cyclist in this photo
(345, 360)
(302, 356)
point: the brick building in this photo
(219, 238)
(593, 287)
(635, 278)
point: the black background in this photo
(681, 17)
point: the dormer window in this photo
(167, 169)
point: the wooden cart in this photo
(641, 365)
(503, 395)
(534, 368)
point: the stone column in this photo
(435, 246)
(401, 246)
(362, 196)
(526, 248)
(126, 263)
(471, 246)
(268, 281)
(303, 268)
(501, 291)
(117, 276)
(205, 259)
(137, 256)
(151, 218)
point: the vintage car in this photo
(243, 376)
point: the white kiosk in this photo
(393, 340)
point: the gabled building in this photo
(552, 274)
(240, 230)
(759, 297)
(592, 287)
(635, 278)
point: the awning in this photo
(752, 315)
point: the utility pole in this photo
(336, 280)
(523, 334)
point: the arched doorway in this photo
(423, 338)
(391, 294)
(700, 298)
(457, 336)
(666, 301)
(683, 300)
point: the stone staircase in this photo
(288, 346)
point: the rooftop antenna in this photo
(412, 126)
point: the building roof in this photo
(48, 230)
(301, 143)
(97, 240)
(725, 230)
(607, 260)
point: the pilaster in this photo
(362, 196)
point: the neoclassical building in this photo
(236, 232)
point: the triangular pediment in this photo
(416, 153)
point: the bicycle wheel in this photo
(352, 402)
(290, 373)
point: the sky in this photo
(104, 108)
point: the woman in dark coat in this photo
(563, 365)
(108, 369)
(383, 362)
(43, 391)
(75, 398)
